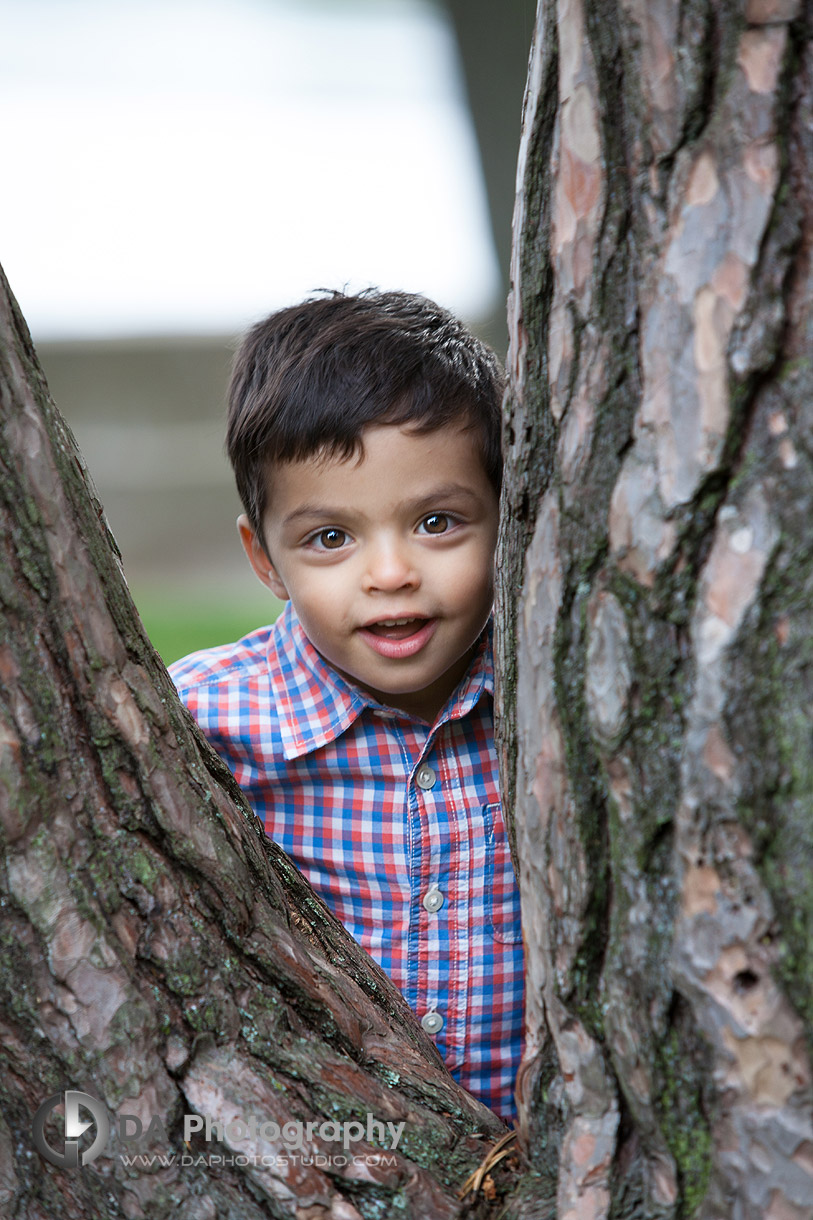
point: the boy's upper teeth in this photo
(394, 622)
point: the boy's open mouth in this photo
(398, 639)
(396, 628)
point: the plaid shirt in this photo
(397, 825)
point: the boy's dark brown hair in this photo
(309, 378)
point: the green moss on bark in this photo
(683, 1077)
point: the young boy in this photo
(364, 432)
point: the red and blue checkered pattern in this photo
(333, 775)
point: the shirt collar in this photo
(316, 704)
(477, 680)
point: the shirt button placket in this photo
(432, 900)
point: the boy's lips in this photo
(397, 638)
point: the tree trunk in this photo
(656, 614)
(158, 952)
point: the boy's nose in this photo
(388, 569)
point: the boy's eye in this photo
(329, 540)
(436, 523)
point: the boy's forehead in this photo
(389, 444)
(399, 462)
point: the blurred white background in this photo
(185, 166)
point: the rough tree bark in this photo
(158, 952)
(657, 608)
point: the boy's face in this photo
(387, 558)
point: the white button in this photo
(425, 777)
(433, 899)
(432, 1022)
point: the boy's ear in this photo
(264, 570)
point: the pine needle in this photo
(497, 1153)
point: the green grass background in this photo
(179, 622)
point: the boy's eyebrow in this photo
(445, 491)
(311, 510)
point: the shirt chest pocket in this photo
(502, 892)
